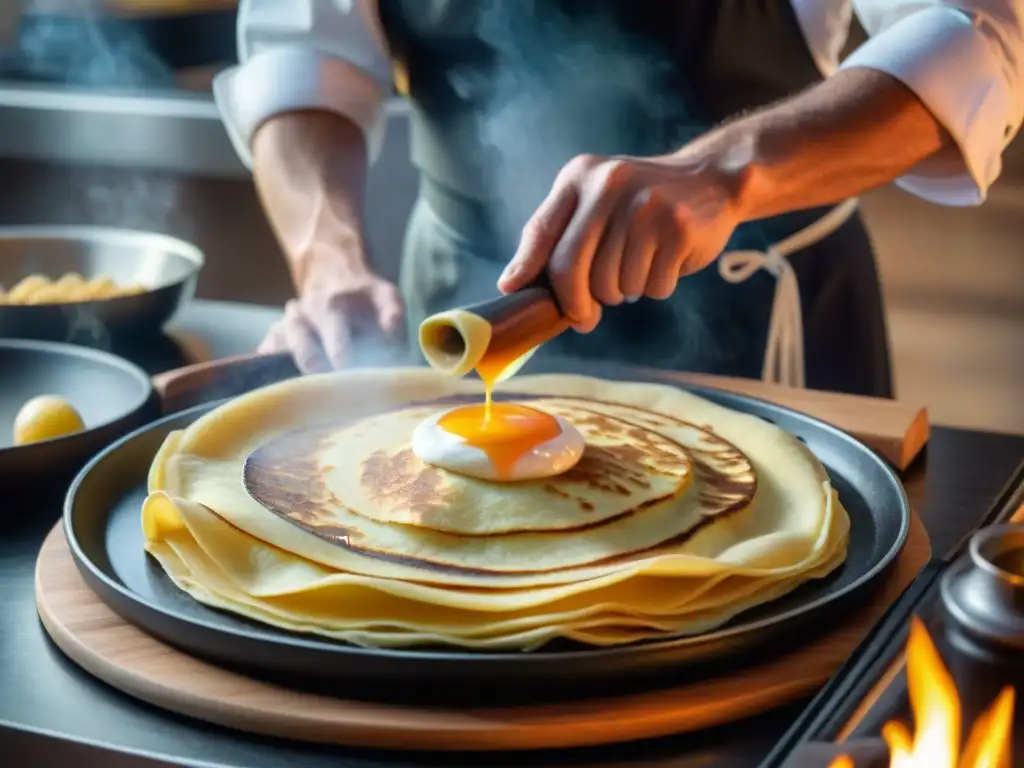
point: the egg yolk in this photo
(496, 360)
(504, 432)
(44, 418)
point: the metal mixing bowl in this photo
(166, 266)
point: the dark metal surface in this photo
(52, 713)
(873, 674)
(112, 395)
(175, 131)
(867, 753)
(102, 524)
(168, 267)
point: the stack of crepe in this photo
(302, 506)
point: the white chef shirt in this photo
(964, 60)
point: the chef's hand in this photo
(340, 312)
(614, 229)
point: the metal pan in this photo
(101, 521)
(166, 266)
(112, 395)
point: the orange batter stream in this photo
(504, 432)
(505, 435)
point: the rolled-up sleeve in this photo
(965, 61)
(306, 54)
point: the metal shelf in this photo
(175, 131)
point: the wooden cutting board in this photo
(897, 430)
(99, 641)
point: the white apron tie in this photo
(784, 351)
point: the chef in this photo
(683, 172)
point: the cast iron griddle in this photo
(102, 522)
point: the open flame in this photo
(935, 704)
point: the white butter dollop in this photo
(439, 448)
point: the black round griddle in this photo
(112, 395)
(102, 523)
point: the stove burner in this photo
(984, 591)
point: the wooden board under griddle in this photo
(897, 430)
(103, 644)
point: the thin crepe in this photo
(227, 551)
(300, 596)
(312, 483)
(369, 468)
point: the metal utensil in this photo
(166, 266)
(516, 323)
(984, 590)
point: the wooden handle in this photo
(897, 430)
(217, 379)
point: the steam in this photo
(120, 198)
(79, 45)
(133, 199)
(74, 43)
(566, 86)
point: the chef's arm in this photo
(930, 101)
(309, 167)
(305, 110)
(856, 131)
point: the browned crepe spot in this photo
(404, 479)
(723, 491)
(283, 476)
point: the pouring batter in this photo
(599, 140)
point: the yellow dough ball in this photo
(44, 418)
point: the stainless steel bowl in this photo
(166, 266)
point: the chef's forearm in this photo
(855, 131)
(310, 172)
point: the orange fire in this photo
(935, 704)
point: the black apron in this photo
(504, 92)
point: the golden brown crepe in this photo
(623, 469)
(628, 493)
(686, 563)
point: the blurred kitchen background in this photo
(105, 118)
